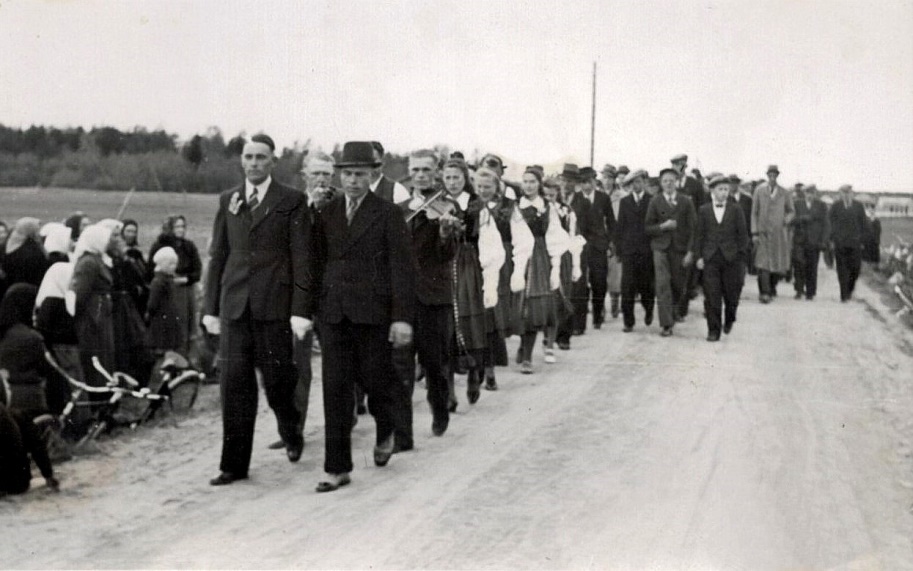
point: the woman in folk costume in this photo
(23, 258)
(89, 300)
(503, 320)
(543, 270)
(57, 242)
(571, 271)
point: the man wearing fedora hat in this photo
(596, 222)
(811, 231)
(255, 300)
(848, 220)
(633, 246)
(772, 212)
(362, 286)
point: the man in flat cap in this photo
(720, 246)
(633, 245)
(811, 232)
(848, 220)
(772, 212)
(362, 281)
(687, 184)
(255, 300)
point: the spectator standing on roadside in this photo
(848, 220)
(174, 234)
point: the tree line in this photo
(106, 158)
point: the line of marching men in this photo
(438, 275)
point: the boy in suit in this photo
(633, 243)
(720, 246)
(670, 224)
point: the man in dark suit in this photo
(670, 224)
(847, 218)
(434, 246)
(688, 185)
(382, 185)
(596, 223)
(811, 229)
(720, 246)
(254, 298)
(363, 280)
(633, 246)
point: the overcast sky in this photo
(823, 88)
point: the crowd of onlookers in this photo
(79, 289)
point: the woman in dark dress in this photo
(23, 258)
(190, 267)
(871, 236)
(22, 352)
(542, 283)
(89, 300)
(57, 327)
(130, 233)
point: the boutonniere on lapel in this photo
(235, 204)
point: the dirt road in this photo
(788, 445)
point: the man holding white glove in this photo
(255, 301)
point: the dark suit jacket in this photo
(596, 220)
(259, 258)
(693, 189)
(744, 202)
(630, 229)
(847, 224)
(730, 236)
(812, 227)
(658, 211)
(364, 272)
(433, 257)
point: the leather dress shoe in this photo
(277, 445)
(713, 336)
(628, 328)
(294, 451)
(564, 345)
(648, 319)
(383, 451)
(666, 332)
(403, 447)
(225, 478)
(727, 327)
(439, 426)
(333, 482)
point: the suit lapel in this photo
(266, 206)
(367, 212)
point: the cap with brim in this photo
(773, 168)
(669, 170)
(719, 179)
(623, 169)
(734, 178)
(587, 173)
(609, 169)
(570, 171)
(680, 158)
(812, 187)
(358, 154)
(632, 176)
(845, 188)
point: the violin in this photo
(439, 207)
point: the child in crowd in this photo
(166, 329)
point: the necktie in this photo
(254, 201)
(672, 201)
(351, 206)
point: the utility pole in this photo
(593, 119)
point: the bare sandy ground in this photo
(788, 445)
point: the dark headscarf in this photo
(17, 306)
(74, 222)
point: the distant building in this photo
(887, 204)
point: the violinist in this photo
(433, 227)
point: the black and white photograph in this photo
(461, 284)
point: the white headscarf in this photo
(24, 229)
(56, 282)
(94, 239)
(56, 237)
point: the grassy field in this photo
(894, 229)
(149, 209)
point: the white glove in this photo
(300, 326)
(400, 334)
(212, 325)
(554, 280)
(517, 281)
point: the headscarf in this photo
(168, 224)
(114, 225)
(17, 306)
(467, 180)
(57, 237)
(94, 240)
(24, 229)
(74, 221)
(56, 282)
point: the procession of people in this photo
(398, 281)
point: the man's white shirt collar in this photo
(261, 188)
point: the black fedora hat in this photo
(358, 154)
(587, 173)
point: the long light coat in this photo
(771, 216)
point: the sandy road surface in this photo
(788, 445)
